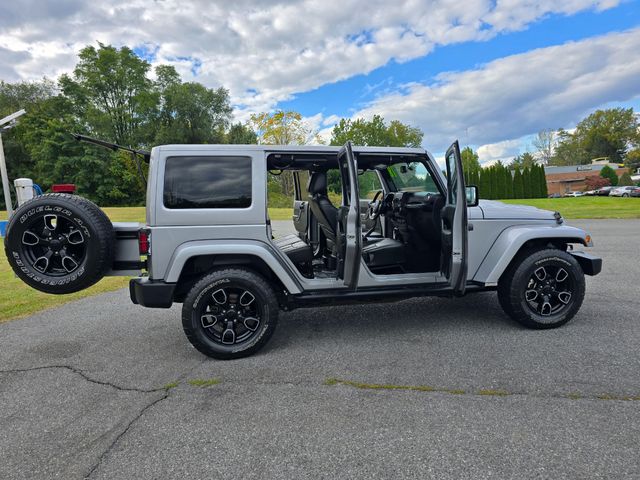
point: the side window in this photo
(368, 184)
(207, 182)
(303, 177)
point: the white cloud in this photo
(518, 95)
(263, 51)
(504, 151)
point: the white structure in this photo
(24, 189)
(11, 120)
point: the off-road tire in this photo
(229, 280)
(95, 239)
(514, 283)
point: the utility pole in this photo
(11, 120)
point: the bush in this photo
(625, 180)
(596, 182)
(608, 172)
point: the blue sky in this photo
(488, 72)
(345, 97)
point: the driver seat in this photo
(324, 211)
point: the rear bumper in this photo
(590, 265)
(151, 294)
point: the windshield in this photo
(412, 177)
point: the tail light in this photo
(63, 188)
(144, 242)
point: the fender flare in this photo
(511, 240)
(256, 249)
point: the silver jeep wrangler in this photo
(208, 244)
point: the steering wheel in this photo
(375, 206)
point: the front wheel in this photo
(230, 313)
(544, 289)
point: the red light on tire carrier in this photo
(144, 241)
(63, 188)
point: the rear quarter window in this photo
(207, 182)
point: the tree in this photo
(500, 181)
(544, 144)
(518, 185)
(495, 186)
(595, 182)
(603, 134)
(485, 184)
(508, 181)
(607, 133)
(470, 165)
(241, 134)
(110, 91)
(538, 181)
(282, 128)
(192, 113)
(375, 132)
(543, 183)
(525, 160)
(608, 172)
(625, 180)
(13, 97)
(632, 159)
(568, 150)
(526, 182)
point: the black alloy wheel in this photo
(230, 313)
(549, 290)
(53, 245)
(542, 288)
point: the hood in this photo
(492, 209)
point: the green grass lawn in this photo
(18, 300)
(586, 207)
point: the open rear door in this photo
(454, 223)
(349, 236)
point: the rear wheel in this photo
(230, 313)
(544, 289)
(59, 243)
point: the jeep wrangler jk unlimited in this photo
(208, 244)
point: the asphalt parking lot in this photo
(88, 390)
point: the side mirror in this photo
(472, 196)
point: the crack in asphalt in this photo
(79, 372)
(124, 432)
(167, 393)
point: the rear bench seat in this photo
(295, 248)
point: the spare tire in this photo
(59, 243)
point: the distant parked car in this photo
(621, 191)
(604, 191)
(555, 195)
(591, 192)
(573, 194)
(635, 193)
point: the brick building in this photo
(572, 177)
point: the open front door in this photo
(454, 223)
(349, 237)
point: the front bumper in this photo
(590, 264)
(151, 294)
